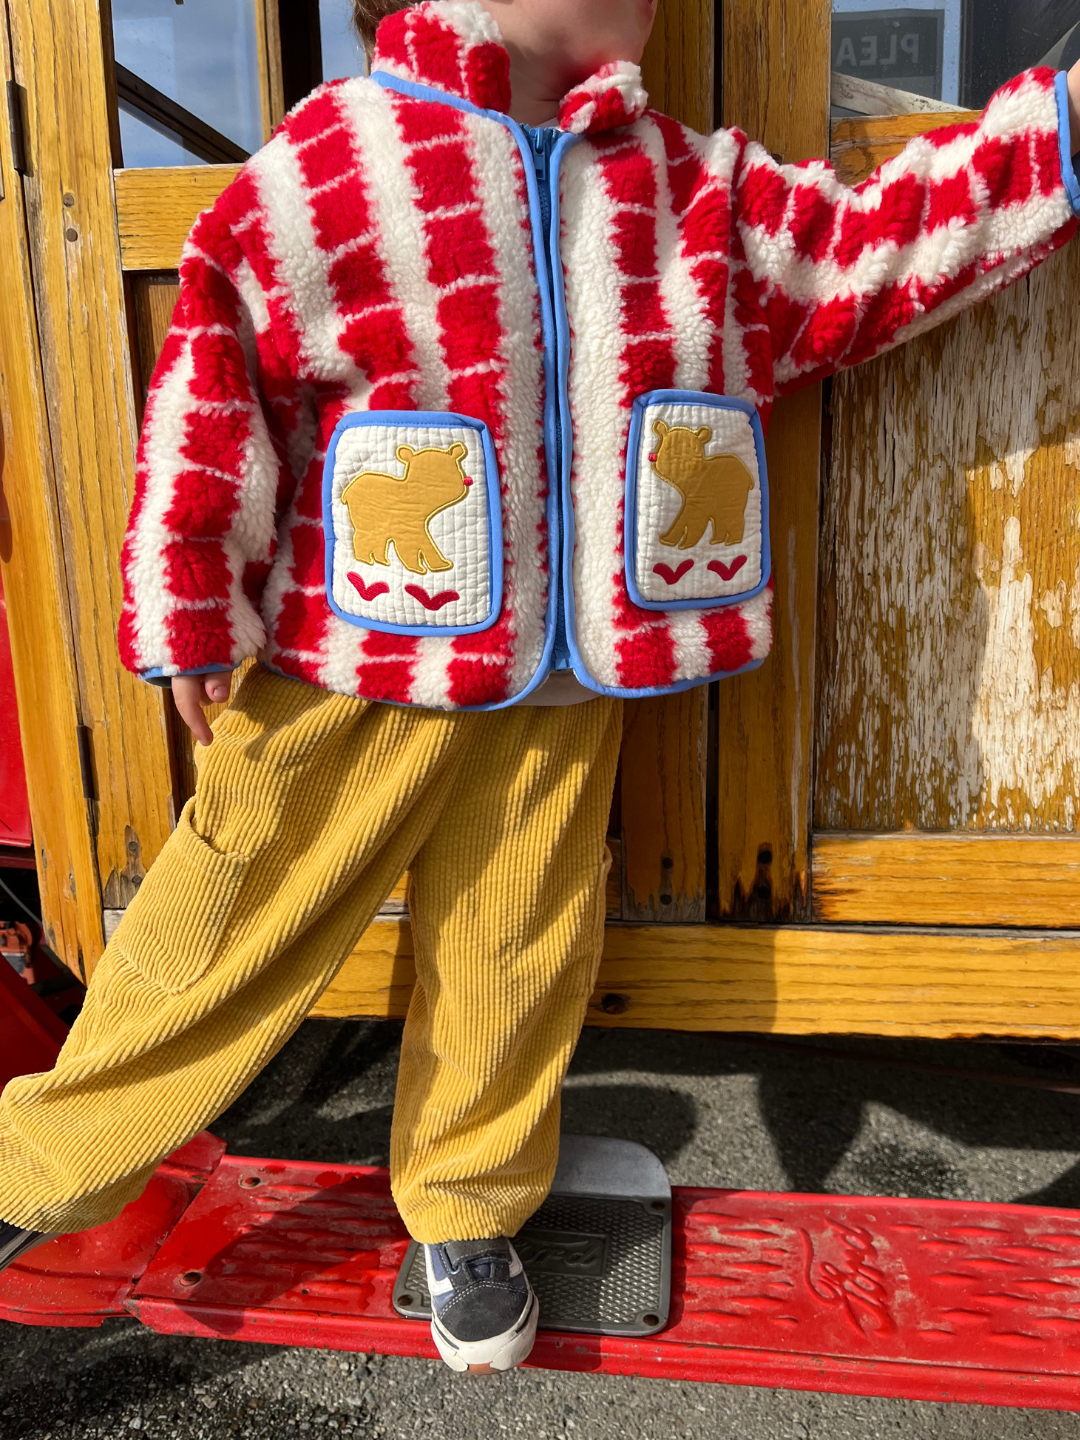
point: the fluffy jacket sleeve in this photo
(212, 471)
(842, 273)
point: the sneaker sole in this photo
(501, 1352)
(15, 1249)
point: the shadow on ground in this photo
(329, 1096)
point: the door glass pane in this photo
(958, 51)
(342, 53)
(143, 144)
(187, 80)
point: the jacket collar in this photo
(455, 46)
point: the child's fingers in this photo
(187, 691)
(218, 688)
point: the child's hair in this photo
(368, 13)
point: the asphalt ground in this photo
(718, 1111)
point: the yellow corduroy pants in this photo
(308, 807)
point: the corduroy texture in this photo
(308, 808)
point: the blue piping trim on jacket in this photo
(717, 402)
(1069, 175)
(427, 92)
(161, 677)
(401, 419)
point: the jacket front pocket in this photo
(413, 520)
(697, 502)
(172, 931)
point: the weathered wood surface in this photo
(662, 803)
(39, 623)
(914, 879)
(867, 97)
(950, 626)
(792, 980)
(776, 86)
(860, 146)
(155, 210)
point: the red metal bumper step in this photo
(933, 1300)
(84, 1278)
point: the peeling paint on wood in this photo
(949, 666)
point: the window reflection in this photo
(187, 72)
(955, 51)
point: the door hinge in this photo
(16, 108)
(86, 764)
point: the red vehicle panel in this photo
(14, 804)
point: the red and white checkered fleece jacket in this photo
(448, 404)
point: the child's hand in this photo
(1074, 106)
(191, 692)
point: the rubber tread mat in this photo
(599, 1266)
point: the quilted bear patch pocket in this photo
(413, 523)
(697, 501)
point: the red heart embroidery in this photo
(432, 602)
(672, 577)
(726, 572)
(368, 592)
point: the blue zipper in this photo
(542, 142)
(544, 145)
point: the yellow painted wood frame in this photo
(31, 553)
(960, 879)
(859, 146)
(794, 980)
(82, 320)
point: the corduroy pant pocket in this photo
(173, 929)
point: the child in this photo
(461, 411)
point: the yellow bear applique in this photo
(396, 510)
(714, 488)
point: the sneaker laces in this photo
(482, 1265)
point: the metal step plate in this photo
(597, 1252)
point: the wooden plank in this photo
(913, 879)
(155, 210)
(79, 292)
(950, 626)
(867, 97)
(662, 776)
(268, 45)
(662, 793)
(153, 300)
(776, 85)
(678, 63)
(793, 980)
(860, 146)
(37, 609)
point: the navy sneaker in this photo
(14, 1242)
(483, 1310)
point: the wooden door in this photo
(874, 832)
(97, 240)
